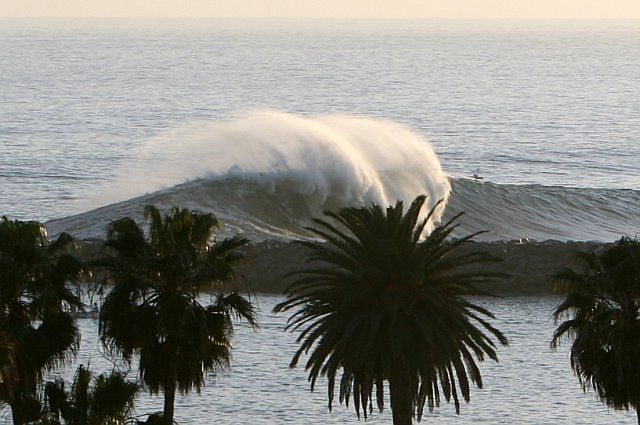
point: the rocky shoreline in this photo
(529, 266)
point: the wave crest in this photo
(332, 161)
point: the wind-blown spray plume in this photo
(326, 162)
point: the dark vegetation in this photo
(152, 311)
(380, 305)
(602, 311)
(392, 309)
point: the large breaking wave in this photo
(330, 161)
(267, 174)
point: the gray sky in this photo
(468, 9)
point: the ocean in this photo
(98, 111)
(267, 123)
(531, 384)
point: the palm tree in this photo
(154, 308)
(109, 401)
(381, 303)
(35, 296)
(603, 309)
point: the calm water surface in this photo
(530, 385)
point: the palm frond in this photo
(602, 318)
(154, 310)
(378, 293)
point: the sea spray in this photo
(330, 161)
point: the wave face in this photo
(267, 174)
(539, 212)
(506, 212)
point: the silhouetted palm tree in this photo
(603, 309)
(154, 308)
(380, 303)
(109, 401)
(35, 296)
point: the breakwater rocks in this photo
(529, 266)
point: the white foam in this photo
(335, 160)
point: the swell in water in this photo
(268, 173)
(541, 213)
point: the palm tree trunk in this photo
(400, 391)
(170, 390)
(169, 400)
(16, 414)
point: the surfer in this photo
(476, 176)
